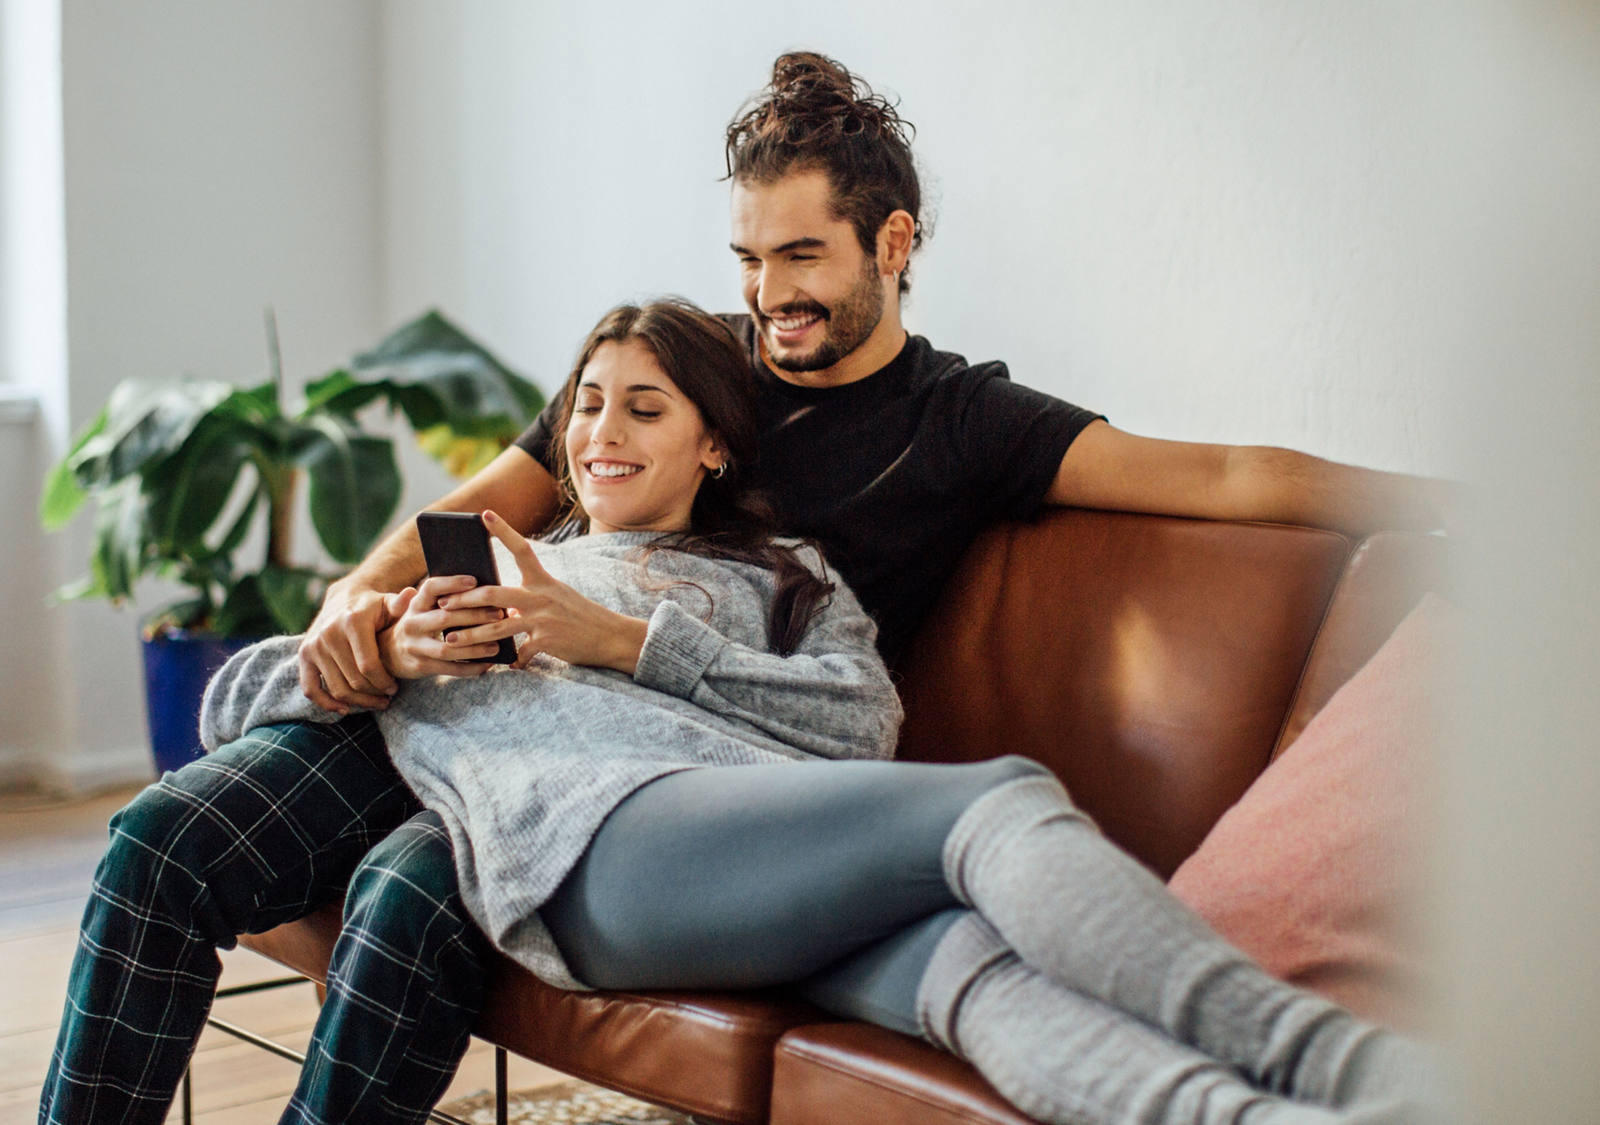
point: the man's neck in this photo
(876, 352)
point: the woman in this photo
(971, 904)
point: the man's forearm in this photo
(395, 563)
(1285, 486)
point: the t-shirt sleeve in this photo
(535, 440)
(1013, 438)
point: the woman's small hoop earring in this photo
(720, 471)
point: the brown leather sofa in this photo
(1157, 665)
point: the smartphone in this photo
(458, 543)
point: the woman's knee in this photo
(979, 778)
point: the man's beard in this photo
(846, 326)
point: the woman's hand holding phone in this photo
(416, 644)
(557, 619)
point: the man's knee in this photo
(406, 885)
(163, 827)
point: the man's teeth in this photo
(601, 470)
(790, 323)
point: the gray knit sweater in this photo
(523, 765)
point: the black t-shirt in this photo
(895, 474)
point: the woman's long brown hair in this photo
(729, 519)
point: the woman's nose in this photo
(608, 428)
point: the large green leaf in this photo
(188, 490)
(62, 497)
(117, 558)
(437, 375)
(244, 612)
(355, 485)
(146, 420)
(291, 595)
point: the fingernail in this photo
(443, 603)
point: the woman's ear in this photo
(713, 455)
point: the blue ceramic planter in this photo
(176, 668)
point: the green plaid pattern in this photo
(261, 832)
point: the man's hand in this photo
(340, 666)
(556, 618)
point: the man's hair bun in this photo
(811, 96)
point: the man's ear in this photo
(894, 241)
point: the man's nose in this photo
(774, 290)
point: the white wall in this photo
(218, 158)
(1196, 218)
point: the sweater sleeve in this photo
(831, 697)
(258, 685)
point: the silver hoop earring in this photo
(720, 471)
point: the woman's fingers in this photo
(527, 562)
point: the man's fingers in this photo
(527, 562)
(374, 678)
(311, 683)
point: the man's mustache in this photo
(807, 308)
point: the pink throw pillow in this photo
(1318, 870)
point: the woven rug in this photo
(567, 1103)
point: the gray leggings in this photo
(828, 875)
(976, 905)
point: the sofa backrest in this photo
(1150, 661)
(1385, 578)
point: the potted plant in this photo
(183, 471)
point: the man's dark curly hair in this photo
(815, 114)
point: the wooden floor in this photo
(48, 852)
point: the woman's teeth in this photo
(603, 470)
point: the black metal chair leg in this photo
(501, 1111)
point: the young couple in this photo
(563, 810)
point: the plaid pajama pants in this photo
(261, 832)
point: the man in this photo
(891, 453)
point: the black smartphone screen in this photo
(458, 543)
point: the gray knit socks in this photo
(1062, 1057)
(1075, 907)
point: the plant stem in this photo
(281, 481)
(274, 356)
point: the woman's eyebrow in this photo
(632, 387)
